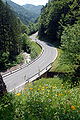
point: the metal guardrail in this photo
(35, 76)
(39, 73)
(24, 65)
(32, 78)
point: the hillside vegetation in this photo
(26, 15)
(13, 39)
(47, 99)
(33, 9)
(57, 14)
(60, 22)
(55, 98)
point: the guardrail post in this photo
(25, 77)
(38, 71)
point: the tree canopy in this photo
(55, 15)
(11, 29)
(60, 22)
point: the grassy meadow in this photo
(45, 99)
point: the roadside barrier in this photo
(24, 65)
(31, 79)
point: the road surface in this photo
(18, 78)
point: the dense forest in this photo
(54, 98)
(9, 35)
(24, 13)
(36, 10)
(60, 22)
(27, 14)
(13, 37)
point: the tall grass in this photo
(35, 50)
(46, 99)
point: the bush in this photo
(47, 99)
(71, 50)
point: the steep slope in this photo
(9, 36)
(25, 15)
(33, 9)
(60, 21)
(57, 14)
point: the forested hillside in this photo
(54, 98)
(13, 38)
(57, 14)
(33, 9)
(60, 23)
(26, 15)
(9, 36)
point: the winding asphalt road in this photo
(15, 79)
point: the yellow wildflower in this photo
(42, 89)
(25, 88)
(73, 107)
(38, 89)
(68, 91)
(31, 88)
(18, 94)
(46, 87)
(59, 94)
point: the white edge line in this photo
(33, 76)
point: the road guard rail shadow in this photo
(24, 65)
(31, 79)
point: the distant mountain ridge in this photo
(33, 8)
(25, 13)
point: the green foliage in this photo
(10, 31)
(35, 50)
(71, 43)
(19, 59)
(36, 10)
(24, 29)
(30, 47)
(59, 66)
(71, 49)
(25, 14)
(57, 14)
(13, 38)
(60, 21)
(7, 107)
(4, 57)
(50, 17)
(33, 27)
(47, 99)
(25, 43)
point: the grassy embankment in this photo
(46, 99)
(58, 66)
(35, 49)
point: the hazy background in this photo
(34, 2)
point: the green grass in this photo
(35, 50)
(59, 66)
(46, 99)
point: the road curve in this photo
(18, 78)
